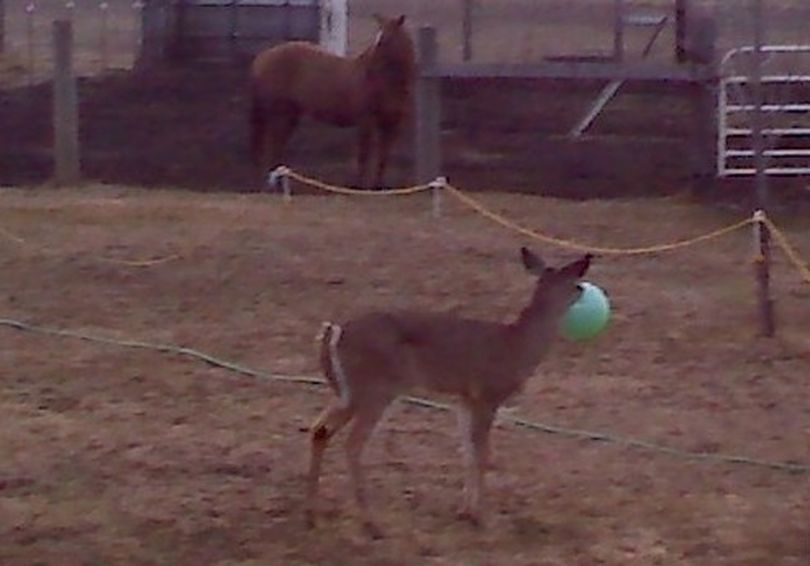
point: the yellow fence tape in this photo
(404, 191)
(789, 250)
(568, 244)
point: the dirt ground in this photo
(122, 456)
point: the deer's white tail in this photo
(328, 339)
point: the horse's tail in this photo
(256, 125)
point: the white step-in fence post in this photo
(279, 178)
(437, 186)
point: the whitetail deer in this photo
(370, 361)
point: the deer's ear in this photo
(400, 20)
(381, 20)
(578, 268)
(532, 262)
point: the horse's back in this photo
(294, 62)
(314, 80)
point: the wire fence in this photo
(108, 33)
(107, 36)
(530, 30)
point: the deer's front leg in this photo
(475, 422)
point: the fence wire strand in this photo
(786, 466)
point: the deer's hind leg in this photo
(366, 417)
(328, 424)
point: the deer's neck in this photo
(533, 333)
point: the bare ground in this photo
(122, 456)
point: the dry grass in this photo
(119, 456)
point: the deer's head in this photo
(557, 288)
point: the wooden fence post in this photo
(428, 111)
(2, 25)
(762, 269)
(703, 40)
(65, 107)
(466, 29)
(681, 22)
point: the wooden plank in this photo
(65, 107)
(599, 104)
(427, 129)
(641, 71)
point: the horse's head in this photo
(393, 52)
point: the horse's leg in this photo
(387, 135)
(257, 124)
(365, 134)
(282, 121)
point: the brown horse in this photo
(371, 91)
